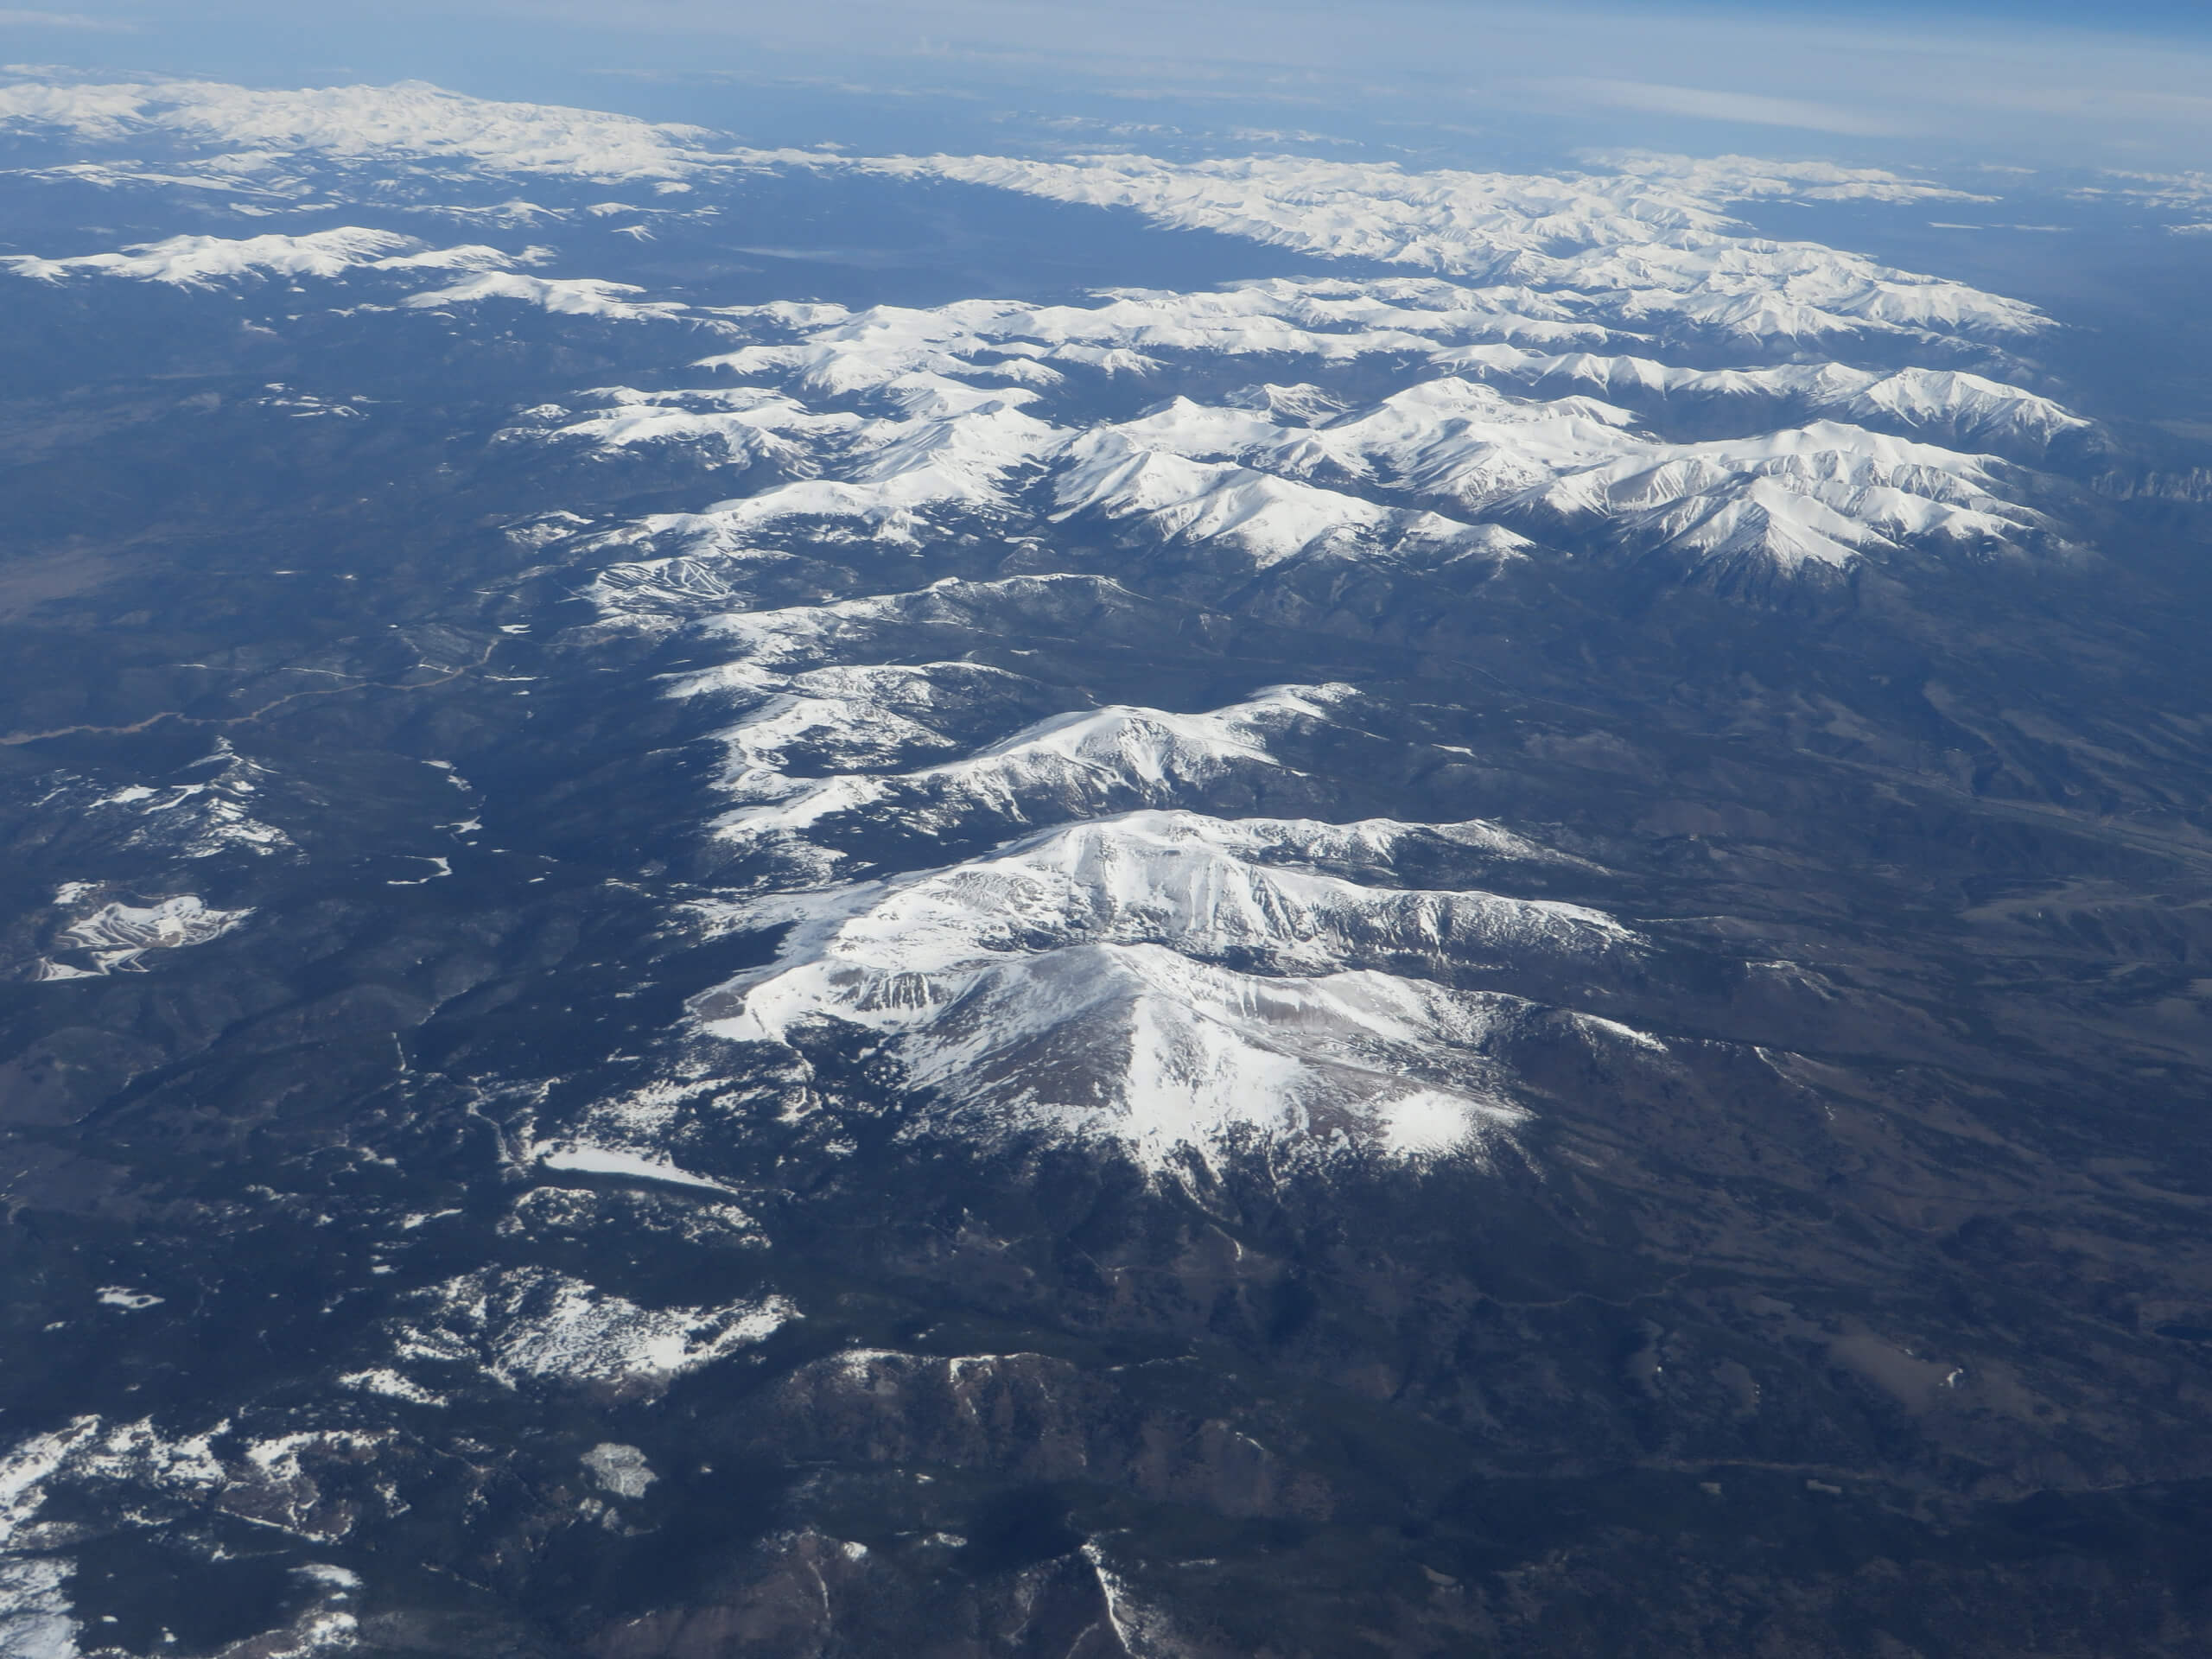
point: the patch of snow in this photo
(526, 1325)
(385, 1380)
(199, 261)
(605, 1160)
(471, 257)
(574, 296)
(619, 1469)
(35, 1619)
(203, 818)
(117, 937)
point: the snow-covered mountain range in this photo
(1167, 979)
(738, 870)
(1475, 371)
(895, 422)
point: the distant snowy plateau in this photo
(1076, 780)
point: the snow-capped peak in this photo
(1167, 979)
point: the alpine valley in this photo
(776, 903)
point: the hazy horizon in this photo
(1958, 85)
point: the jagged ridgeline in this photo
(777, 903)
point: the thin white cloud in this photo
(2100, 104)
(11, 17)
(1860, 81)
(1702, 104)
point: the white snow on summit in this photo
(613, 1160)
(412, 119)
(575, 296)
(1652, 248)
(1649, 240)
(199, 261)
(1745, 178)
(523, 1324)
(901, 425)
(843, 718)
(950, 612)
(1822, 493)
(891, 475)
(117, 937)
(832, 349)
(1077, 765)
(1828, 491)
(1957, 405)
(195, 261)
(1165, 979)
(1270, 518)
(209, 814)
(736, 425)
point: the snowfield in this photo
(1169, 979)
(904, 426)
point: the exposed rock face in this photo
(812, 1595)
(1025, 1418)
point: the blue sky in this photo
(2126, 84)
